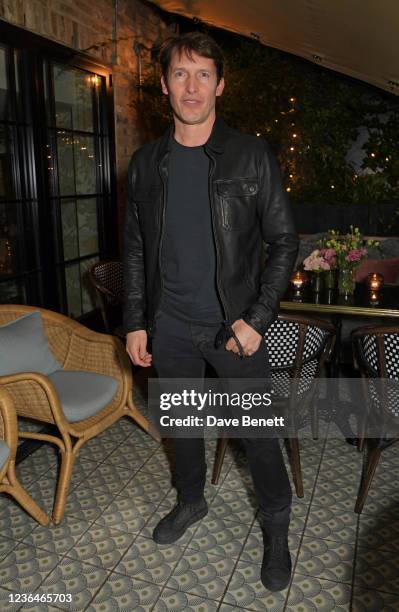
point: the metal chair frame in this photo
(109, 298)
(295, 372)
(372, 447)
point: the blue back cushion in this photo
(24, 347)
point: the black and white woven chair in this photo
(107, 278)
(376, 354)
(298, 347)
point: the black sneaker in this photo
(276, 564)
(174, 524)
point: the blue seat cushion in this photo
(4, 453)
(83, 394)
(24, 347)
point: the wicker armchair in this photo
(107, 278)
(298, 347)
(8, 444)
(76, 348)
(376, 353)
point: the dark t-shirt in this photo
(188, 249)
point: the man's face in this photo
(192, 88)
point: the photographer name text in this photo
(212, 421)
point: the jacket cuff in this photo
(257, 322)
(131, 327)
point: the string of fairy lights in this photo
(291, 162)
(293, 148)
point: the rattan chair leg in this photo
(367, 479)
(135, 414)
(16, 490)
(63, 484)
(28, 504)
(296, 466)
(219, 458)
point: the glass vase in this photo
(316, 282)
(346, 281)
(329, 280)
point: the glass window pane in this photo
(85, 165)
(99, 81)
(76, 164)
(8, 240)
(66, 169)
(4, 91)
(72, 281)
(46, 93)
(7, 191)
(80, 292)
(16, 73)
(73, 98)
(88, 228)
(88, 293)
(23, 110)
(69, 229)
(12, 292)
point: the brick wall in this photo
(91, 26)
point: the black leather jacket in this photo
(249, 208)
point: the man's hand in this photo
(136, 347)
(249, 338)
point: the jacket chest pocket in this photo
(238, 202)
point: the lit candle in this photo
(298, 280)
(375, 281)
(374, 298)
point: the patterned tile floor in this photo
(103, 554)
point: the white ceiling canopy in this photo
(356, 37)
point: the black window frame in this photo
(31, 51)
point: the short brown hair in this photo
(196, 42)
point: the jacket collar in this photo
(216, 141)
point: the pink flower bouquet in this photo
(317, 261)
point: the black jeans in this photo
(181, 350)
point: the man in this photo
(202, 199)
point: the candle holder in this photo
(298, 282)
(375, 282)
(374, 298)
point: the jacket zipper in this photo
(211, 173)
(164, 200)
(224, 216)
